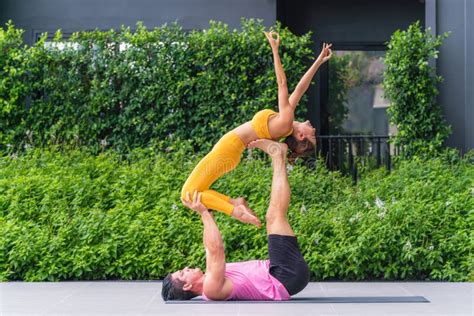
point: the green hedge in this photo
(411, 85)
(128, 89)
(69, 215)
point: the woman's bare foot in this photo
(241, 201)
(241, 213)
(272, 148)
(238, 201)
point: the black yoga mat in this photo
(319, 300)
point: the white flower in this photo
(379, 203)
(354, 218)
(174, 207)
(103, 142)
(393, 199)
(407, 245)
(430, 247)
(381, 214)
(303, 209)
(289, 168)
(448, 203)
(367, 204)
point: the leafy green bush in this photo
(69, 215)
(13, 88)
(410, 84)
(124, 89)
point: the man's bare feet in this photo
(241, 213)
(272, 148)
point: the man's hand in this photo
(325, 55)
(195, 204)
(274, 43)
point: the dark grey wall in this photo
(455, 65)
(74, 15)
(469, 57)
(346, 21)
(349, 20)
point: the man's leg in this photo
(287, 264)
(277, 222)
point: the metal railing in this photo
(347, 153)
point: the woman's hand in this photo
(325, 55)
(274, 42)
(195, 204)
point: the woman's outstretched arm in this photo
(283, 101)
(305, 81)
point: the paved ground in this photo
(143, 298)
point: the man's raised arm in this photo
(216, 286)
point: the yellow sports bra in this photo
(260, 123)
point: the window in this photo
(354, 101)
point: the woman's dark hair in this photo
(298, 148)
(173, 290)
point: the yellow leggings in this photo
(224, 157)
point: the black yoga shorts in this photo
(287, 264)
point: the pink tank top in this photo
(252, 281)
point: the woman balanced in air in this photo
(266, 124)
